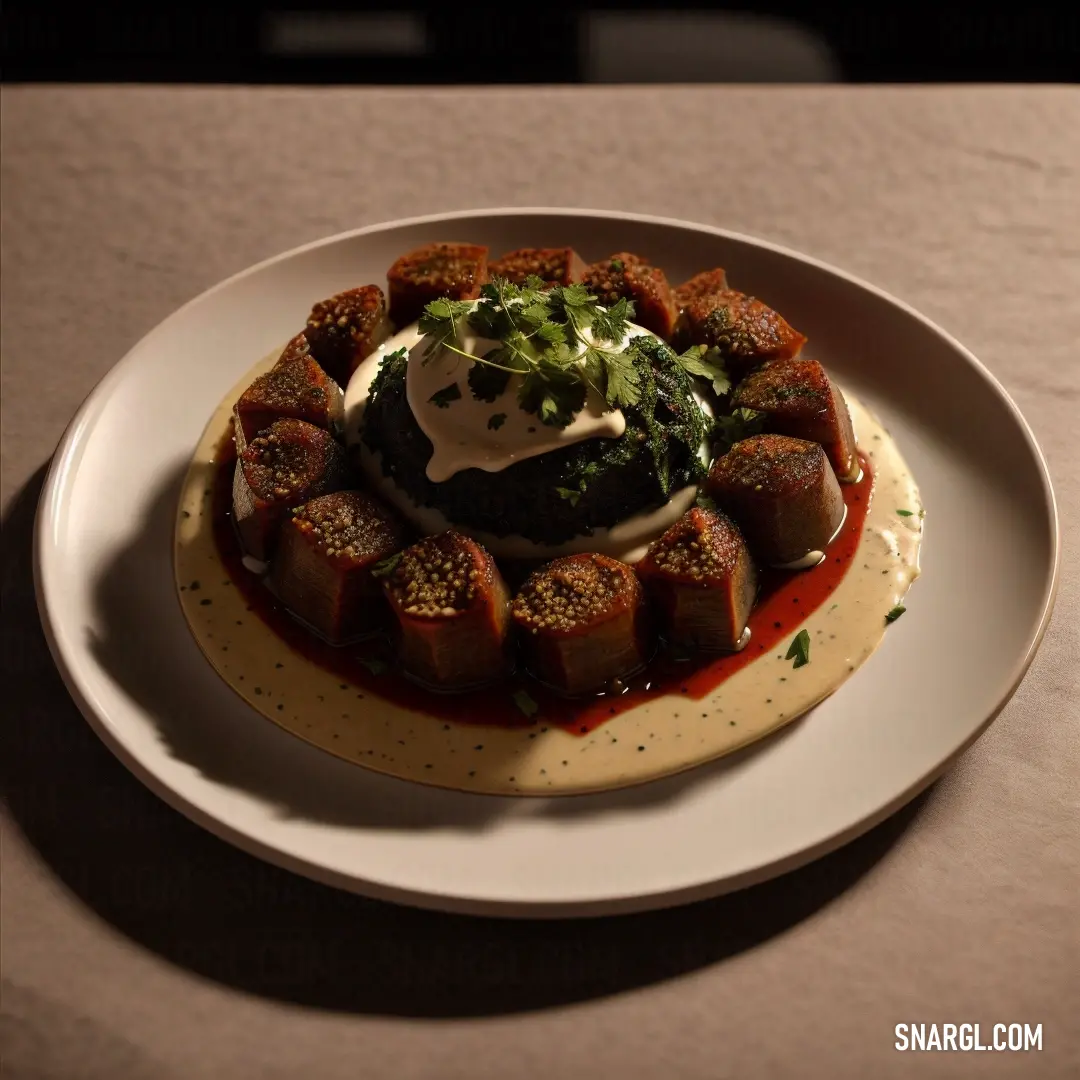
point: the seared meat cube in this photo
(747, 332)
(347, 328)
(783, 494)
(799, 400)
(694, 298)
(631, 276)
(555, 266)
(701, 580)
(325, 555)
(453, 613)
(453, 270)
(295, 387)
(584, 623)
(282, 466)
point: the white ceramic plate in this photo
(974, 618)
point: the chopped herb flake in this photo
(799, 650)
(895, 613)
(495, 422)
(526, 702)
(443, 397)
(905, 513)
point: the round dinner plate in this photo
(973, 622)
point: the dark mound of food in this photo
(564, 493)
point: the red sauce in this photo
(785, 600)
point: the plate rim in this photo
(73, 438)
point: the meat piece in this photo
(295, 387)
(555, 266)
(695, 298)
(584, 623)
(799, 400)
(453, 613)
(282, 466)
(453, 270)
(631, 276)
(347, 328)
(747, 332)
(783, 494)
(325, 555)
(702, 581)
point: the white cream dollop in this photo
(466, 433)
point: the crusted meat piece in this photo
(453, 613)
(555, 266)
(584, 623)
(453, 270)
(798, 399)
(696, 298)
(783, 494)
(345, 329)
(284, 465)
(631, 276)
(295, 387)
(702, 581)
(747, 332)
(323, 567)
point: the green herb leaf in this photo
(612, 324)
(569, 494)
(706, 363)
(495, 422)
(617, 265)
(375, 665)
(552, 333)
(905, 513)
(895, 613)
(440, 320)
(442, 398)
(738, 425)
(552, 392)
(487, 382)
(387, 566)
(526, 702)
(799, 650)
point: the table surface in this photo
(136, 945)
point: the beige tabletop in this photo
(137, 946)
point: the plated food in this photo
(542, 493)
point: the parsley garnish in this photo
(375, 665)
(905, 513)
(526, 702)
(439, 320)
(706, 363)
(569, 494)
(496, 421)
(387, 566)
(800, 649)
(559, 341)
(741, 424)
(443, 397)
(895, 613)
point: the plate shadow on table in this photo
(222, 914)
